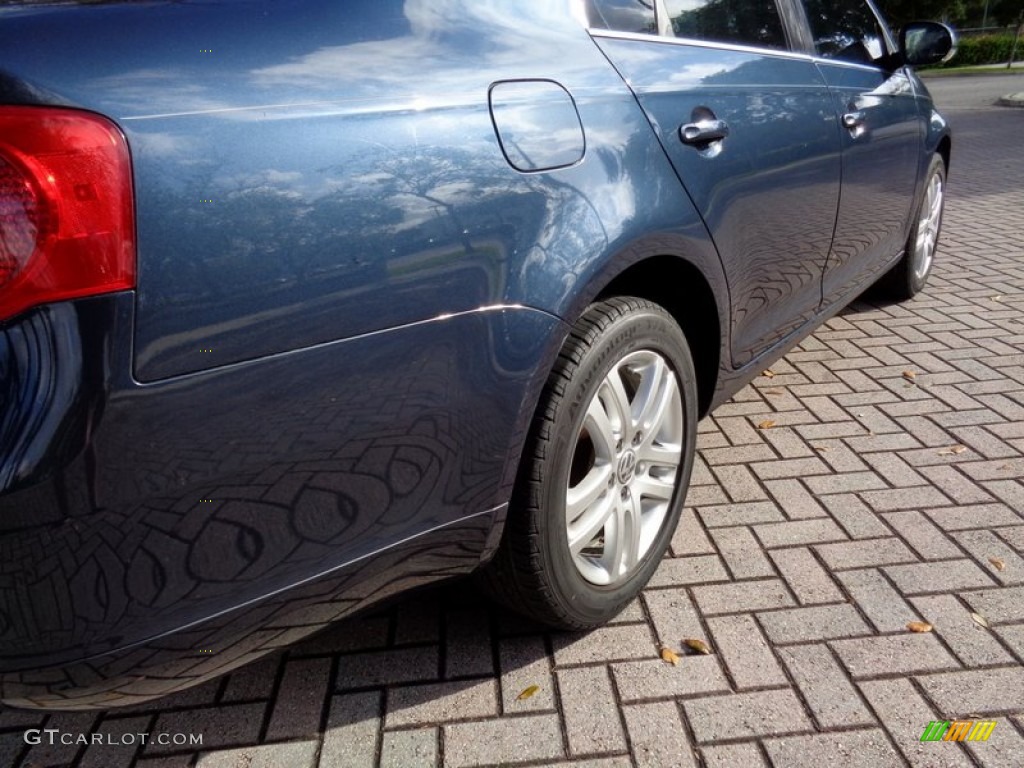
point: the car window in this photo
(623, 15)
(847, 30)
(744, 22)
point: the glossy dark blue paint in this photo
(768, 191)
(880, 173)
(364, 231)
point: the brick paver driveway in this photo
(889, 490)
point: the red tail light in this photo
(66, 219)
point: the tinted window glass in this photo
(745, 22)
(623, 15)
(845, 30)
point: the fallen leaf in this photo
(1004, 467)
(667, 654)
(919, 626)
(697, 645)
(955, 449)
(909, 375)
(821, 448)
(768, 373)
(766, 424)
(998, 563)
(527, 693)
(775, 392)
(980, 620)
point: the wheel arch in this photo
(681, 288)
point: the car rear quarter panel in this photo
(347, 304)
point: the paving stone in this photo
(926, 539)
(905, 715)
(852, 749)
(1004, 747)
(295, 754)
(739, 483)
(799, 532)
(1013, 636)
(656, 679)
(113, 751)
(222, 726)
(847, 482)
(979, 691)
(689, 570)
(984, 545)
(365, 633)
(972, 516)
(467, 644)
(631, 641)
(728, 515)
(441, 702)
(747, 656)
(524, 663)
(589, 710)
(866, 552)
(854, 516)
(893, 654)
(409, 749)
(746, 755)
(742, 553)
(1012, 535)
(973, 644)
(746, 715)
(418, 621)
(810, 582)
(689, 537)
(743, 596)
(944, 576)
(904, 498)
(507, 740)
(400, 665)
(833, 700)
(299, 703)
(673, 615)
(353, 723)
(955, 485)
(253, 681)
(795, 499)
(657, 737)
(1005, 604)
(820, 622)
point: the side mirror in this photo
(927, 42)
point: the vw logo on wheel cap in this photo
(626, 468)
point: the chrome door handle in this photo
(703, 131)
(854, 120)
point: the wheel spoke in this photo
(630, 449)
(581, 497)
(647, 400)
(660, 454)
(654, 487)
(622, 537)
(613, 394)
(583, 531)
(602, 433)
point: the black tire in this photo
(534, 572)
(907, 278)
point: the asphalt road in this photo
(971, 92)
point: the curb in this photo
(1012, 100)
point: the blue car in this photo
(305, 303)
